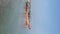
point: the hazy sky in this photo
(45, 16)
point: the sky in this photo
(45, 16)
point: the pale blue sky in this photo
(45, 17)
